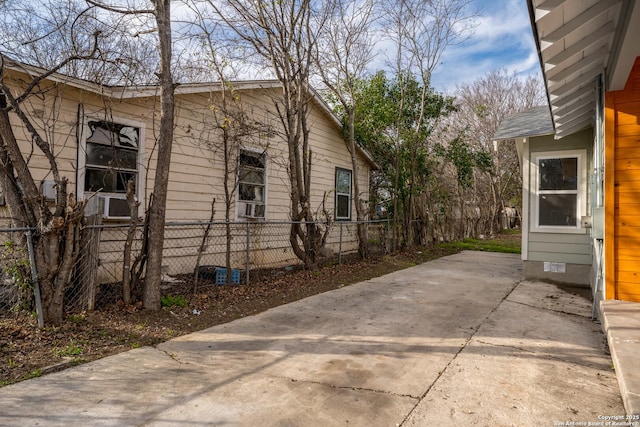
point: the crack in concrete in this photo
(547, 356)
(338, 387)
(455, 356)
(551, 309)
(505, 346)
(173, 357)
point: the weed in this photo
(11, 363)
(122, 340)
(142, 326)
(135, 345)
(173, 300)
(33, 374)
(72, 349)
(76, 318)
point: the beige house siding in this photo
(196, 174)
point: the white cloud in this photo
(502, 39)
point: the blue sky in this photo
(501, 39)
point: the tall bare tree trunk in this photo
(151, 296)
(363, 246)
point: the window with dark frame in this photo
(251, 184)
(111, 157)
(343, 194)
(558, 191)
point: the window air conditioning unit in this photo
(251, 210)
(114, 207)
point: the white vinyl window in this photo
(343, 194)
(251, 185)
(560, 190)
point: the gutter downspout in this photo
(598, 196)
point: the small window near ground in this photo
(343, 194)
(251, 185)
(558, 190)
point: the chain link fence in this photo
(16, 289)
(195, 254)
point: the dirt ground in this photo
(27, 351)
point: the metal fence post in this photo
(34, 277)
(340, 247)
(247, 257)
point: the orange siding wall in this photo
(622, 181)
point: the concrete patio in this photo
(456, 341)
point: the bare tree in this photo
(284, 34)
(420, 31)
(75, 38)
(344, 53)
(161, 12)
(44, 34)
(227, 126)
(57, 235)
(483, 104)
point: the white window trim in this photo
(85, 132)
(343, 218)
(581, 201)
(266, 185)
(526, 166)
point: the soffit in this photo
(576, 39)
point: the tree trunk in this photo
(151, 297)
(133, 224)
(56, 252)
(57, 236)
(363, 247)
(203, 245)
(25, 204)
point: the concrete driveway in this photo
(455, 341)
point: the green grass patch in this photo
(501, 243)
(173, 300)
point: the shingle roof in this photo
(534, 122)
